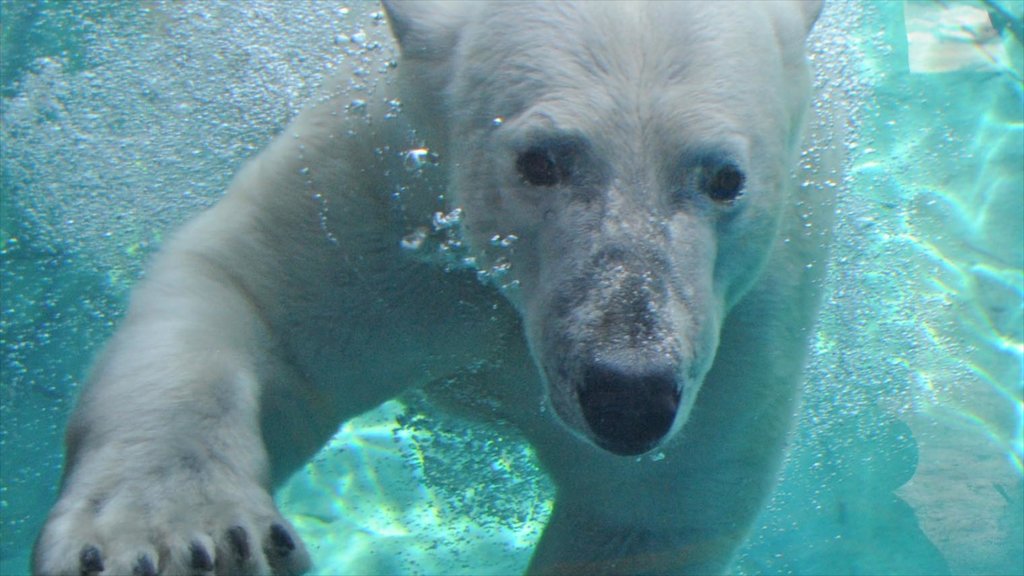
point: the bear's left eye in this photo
(550, 163)
(724, 183)
(537, 167)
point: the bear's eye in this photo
(725, 183)
(537, 167)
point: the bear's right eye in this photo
(537, 167)
(725, 183)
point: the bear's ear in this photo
(427, 29)
(809, 10)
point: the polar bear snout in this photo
(629, 408)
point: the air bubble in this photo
(415, 159)
(444, 221)
(394, 109)
(358, 106)
(415, 239)
(503, 242)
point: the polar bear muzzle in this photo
(615, 345)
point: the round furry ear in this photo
(427, 29)
(809, 10)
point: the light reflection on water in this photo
(379, 500)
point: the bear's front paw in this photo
(171, 522)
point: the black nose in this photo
(629, 408)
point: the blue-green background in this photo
(122, 119)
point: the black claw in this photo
(90, 560)
(239, 540)
(201, 559)
(281, 541)
(144, 566)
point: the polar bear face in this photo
(621, 147)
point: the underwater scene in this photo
(121, 120)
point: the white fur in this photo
(291, 306)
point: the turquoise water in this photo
(122, 120)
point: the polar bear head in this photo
(639, 155)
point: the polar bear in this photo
(612, 253)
